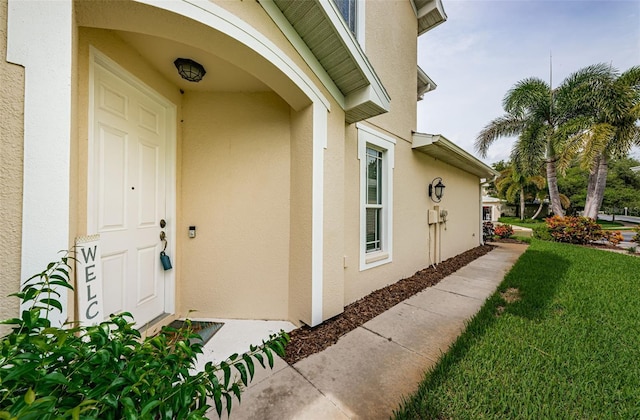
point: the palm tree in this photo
(511, 182)
(529, 114)
(543, 119)
(610, 108)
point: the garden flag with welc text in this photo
(89, 280)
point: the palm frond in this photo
(504, 126)
(597, 140)
(630, 78)
(528, 152)
(528, 96)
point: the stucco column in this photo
(39, 38)
(317, 235)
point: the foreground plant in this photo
(488, 230)
(504, 231)
(574, 230)
(108, 371)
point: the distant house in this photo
(287, 183)
(492, 208)
(635, 168)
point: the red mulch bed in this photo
(306, 341)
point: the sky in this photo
(486, 46)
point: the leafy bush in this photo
(574, 229)
(487, 231)
(542, 232)
(504, 231)
(108, 371)
(636, 237)
(614, 237)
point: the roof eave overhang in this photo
(430, 13)
(351, 80)
(437, 146)
(425, 84)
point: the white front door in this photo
(128, 169)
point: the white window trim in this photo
(360, 25)
(386, 144)
(360, 22)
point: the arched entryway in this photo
(267, 106)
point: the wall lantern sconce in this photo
(436, 191)
(189, 69)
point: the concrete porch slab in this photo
(284, 395)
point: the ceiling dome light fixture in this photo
(189, 69)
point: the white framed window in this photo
(376, 155)
(352, 12)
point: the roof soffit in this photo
(430, 14)
(437, 146)
(318, 24)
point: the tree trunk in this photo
(595, 196)
(521, 203)
(539, 209)
(552, 182)
(591, 189)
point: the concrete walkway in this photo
(368, 371)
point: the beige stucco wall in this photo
(301, 216)
(244, 163)
(411, 236)
(11, 154)
(235, 189)
(334, 223)
(392, 46)
(263, 287)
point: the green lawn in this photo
(568, 349)
(528, 223)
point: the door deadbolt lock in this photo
(163, 223)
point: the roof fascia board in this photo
(362, 96)
(424, 78)
(298, 43)
(376, 92)
(423, 140)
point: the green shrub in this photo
(636, 237)
(503, 231)
(108, 371)
(487, 231)
(541, 232)
(574, 229)
(614, 237)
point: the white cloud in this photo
(487, 46)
